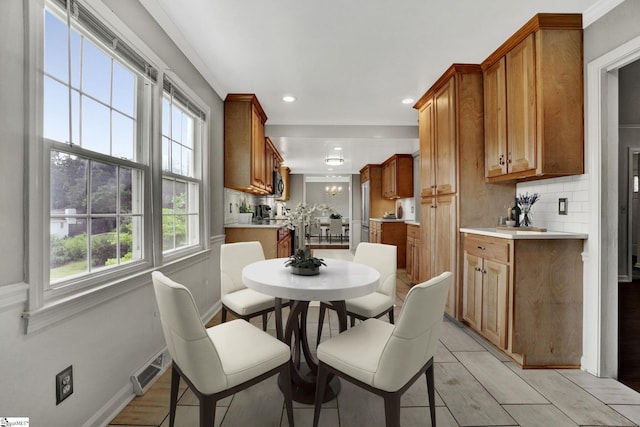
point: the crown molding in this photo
(597, 11)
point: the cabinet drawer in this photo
(497, 249)
(413, 231)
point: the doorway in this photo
(335, 192)
(629, 225)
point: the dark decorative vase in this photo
(515, 214)
(305, 271)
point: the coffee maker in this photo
(263, 212)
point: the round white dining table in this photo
(337, 281)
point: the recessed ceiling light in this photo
(337, 148)
(408, 101)
(288, 98)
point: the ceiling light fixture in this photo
(288, 98)
(408, 101)
(334, 159)
(337, 148)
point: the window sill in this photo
(59, 309)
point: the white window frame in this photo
(200, 126)
(47, 306)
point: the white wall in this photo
(107, 343)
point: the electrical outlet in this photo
(64, 384)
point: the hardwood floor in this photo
(476, 386)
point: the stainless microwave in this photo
(278, 184)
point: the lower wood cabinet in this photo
(525, 296)
(271, 238)
(390, 233)
(413, 252)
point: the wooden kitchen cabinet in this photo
(269, 237)
(378, 205)
(397, 177)
(244, 144)
(284, 243)
(533, 95)
(439, 241)
(390, 233)
(485, 287)
(413, 252)
(525, 296)
(453, 190)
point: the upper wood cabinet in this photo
(244, 144)
(533, 101)
(272, 160)
(397, 177)
(438, 138)
(378, 205)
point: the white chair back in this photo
(382, 258)
(335, 226)
(415, 336)
(187, 341)
(233, 258)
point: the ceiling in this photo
(349, 63)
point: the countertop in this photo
(387, 220)
(271, 224)
(516, 234)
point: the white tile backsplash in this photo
(545, 210)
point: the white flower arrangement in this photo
(303, 216)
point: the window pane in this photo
(55, 121)
(95, 126)
(193, 229)
(193, 206)
(168, 232)
(123, 89)
(122, 136)
(68, 249)
(187, 130)
(68, 184)
(181, 230)
(125, 191)
(103, 188)
(75, 117)
(176, 164)
(180, 200)
(187, 169)
(176, 123)
(56, 59)
(76, 55)
(167, 195)
(96, 72)
(103, 241)
(166, 117)
(130, 240)
(165, 154)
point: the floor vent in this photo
(143, 379)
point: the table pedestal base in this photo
(305, 394)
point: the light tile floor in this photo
(476, 386)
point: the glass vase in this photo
(526, 216)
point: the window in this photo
(182, 128)
(94, 139)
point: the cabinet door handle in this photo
(484, 271)
(501, 160)
(509, 158)
(482, 248)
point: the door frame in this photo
(600, 309)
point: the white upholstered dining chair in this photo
(242, 302)
(219, 361)
(387, 359)
(382, 258)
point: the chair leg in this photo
(392, 409)
(431, 392)
(320, 386)
(391, 316)
(175, 384)
(224, 314)
(207, 411)
(352, 321)
(287, 391)
(323, 308)
(264, 322)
